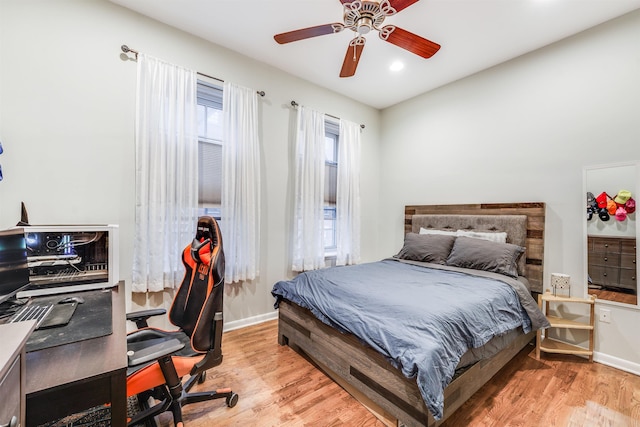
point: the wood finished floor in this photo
(612, 295)
(278, 387)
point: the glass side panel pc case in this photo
(70, 258)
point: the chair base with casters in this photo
(170, 350)
(159, 360)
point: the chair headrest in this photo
(201, 251)
(208, 229)
(207, 241)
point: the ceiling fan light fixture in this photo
(362, 16)
(365, 25)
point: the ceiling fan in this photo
(362, 16)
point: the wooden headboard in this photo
(535, 213)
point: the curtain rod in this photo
(294, 104)
(127, 49)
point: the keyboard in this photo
(46, 315)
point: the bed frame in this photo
(368, 376)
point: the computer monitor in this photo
(14, 270)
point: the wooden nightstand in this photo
(549, 345)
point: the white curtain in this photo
(166, 172)
(308, 219)
(240, 210)
(348, 195)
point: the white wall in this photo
(520, 132)
(67, 108)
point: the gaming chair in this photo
(158, 359)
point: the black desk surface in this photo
(68, 378)
(92, 319)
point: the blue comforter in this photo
(422, 319)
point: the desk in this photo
(73, 377)
(12, 371)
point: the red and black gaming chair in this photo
(158, 359)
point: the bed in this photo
(366, 325)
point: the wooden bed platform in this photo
(368, 376)
(395, 398)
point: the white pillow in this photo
(443, 232)
(499, 237)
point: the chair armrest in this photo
(154, 352)
(140, 317)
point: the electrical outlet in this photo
(605, 315)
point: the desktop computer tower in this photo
(70, 258)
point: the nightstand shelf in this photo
(549, 345)
(559, 322)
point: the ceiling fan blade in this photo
(398, 5)
(306, 33)
(409, 41)
(352, 57)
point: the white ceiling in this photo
(474, 34)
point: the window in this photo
(209, 149)
(332, 132)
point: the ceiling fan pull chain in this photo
(358, 40)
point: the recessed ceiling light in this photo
(396, 66)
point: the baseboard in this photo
(249, 321)
(615, 362)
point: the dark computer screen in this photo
(14, 271)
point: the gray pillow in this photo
(433, 248)
(485, 255)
